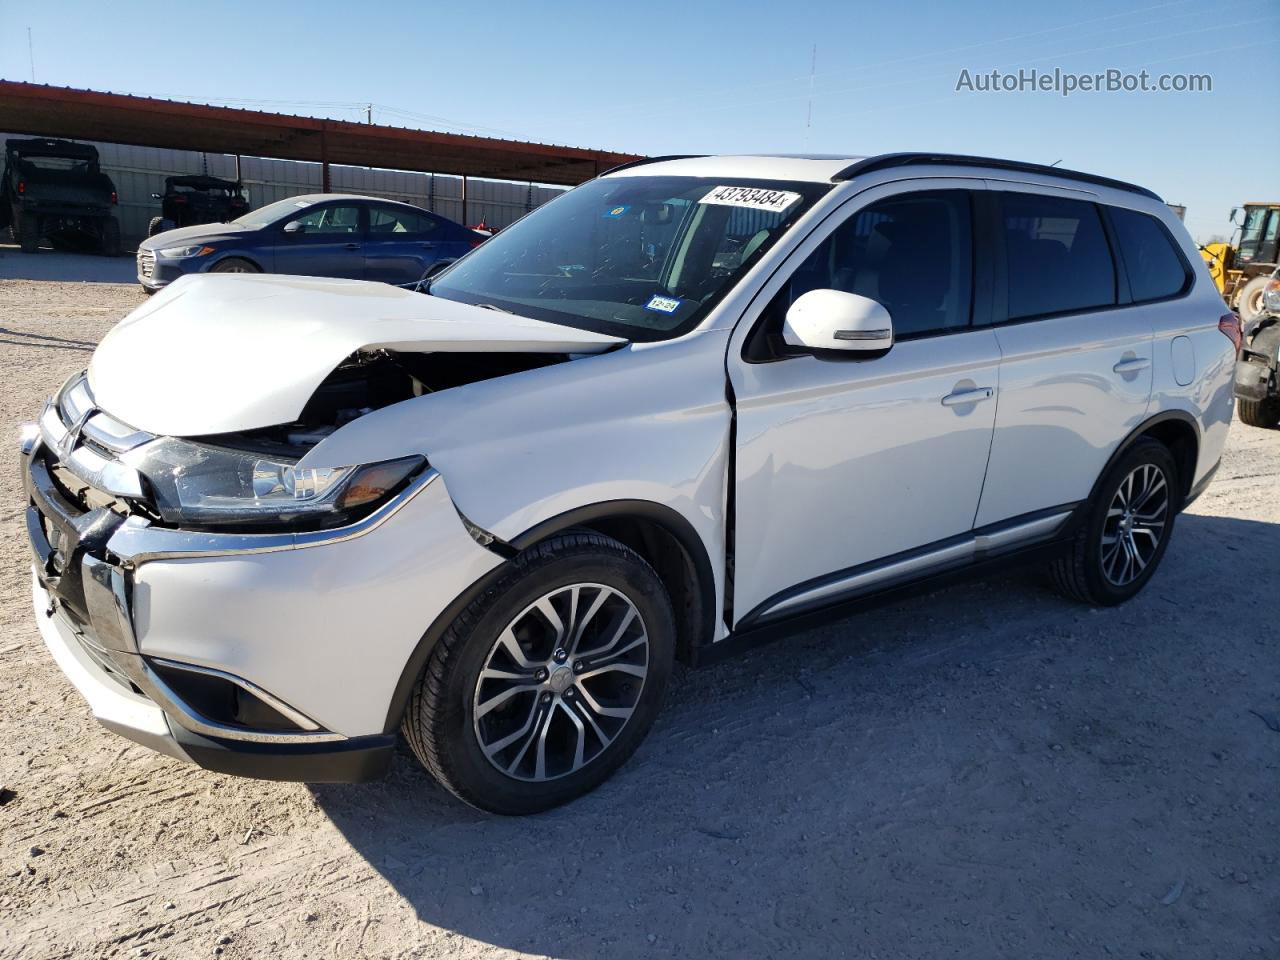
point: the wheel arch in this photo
(235, 255)
(667, 541)
(664, 538)
(1178, 431)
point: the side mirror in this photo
(835, 320)
(295, 226)
(157, 196)
(1234, 211)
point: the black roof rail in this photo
(644, 160)
(887, 161)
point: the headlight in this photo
(203, 485)
(178, 253)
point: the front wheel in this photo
(548, 681)
(234, 265)
(1126, 528)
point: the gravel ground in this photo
(986, 771)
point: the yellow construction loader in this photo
(1241, 270)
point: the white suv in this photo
(280, 519)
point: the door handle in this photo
(353, 246)
(427, 244)
(961, 397)
(1132, 365)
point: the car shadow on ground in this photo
(974, 771)
(49, 264)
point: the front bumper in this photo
(134, 716)
(314, 630)
(157, 272)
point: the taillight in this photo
(114, 199)
(22, 186)
(1229, 324)
(476, 241)
(179, 199)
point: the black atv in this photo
(54, 189)
(191, 200)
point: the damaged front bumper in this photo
(250, 654)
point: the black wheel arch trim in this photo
(1138, 433)
(670, 520)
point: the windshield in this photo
(643, 258)
(265, 216)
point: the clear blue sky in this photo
(685, 77)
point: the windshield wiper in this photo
(491, 306)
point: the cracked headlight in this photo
(203, 485)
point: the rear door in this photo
(325, 241)
(1075, 373)
(402, 243)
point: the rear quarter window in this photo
(1155, 267)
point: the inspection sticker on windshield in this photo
(663, 304)
(754, 197)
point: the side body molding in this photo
(647, 423)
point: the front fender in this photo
(642, 423)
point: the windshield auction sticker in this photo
(754, 197)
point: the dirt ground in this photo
(986, 771)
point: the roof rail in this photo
(889, 160)
(644, 160)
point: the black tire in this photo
(234, 265)
(440, 724)
(158, 225)
(111, 237)
(1079, 574)
(27, 228)
(1261, 413)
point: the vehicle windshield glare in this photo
(643, 258)
(265, 216)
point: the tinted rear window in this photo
(1155, 267)
(1057, 254)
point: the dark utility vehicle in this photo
(1258, 371)
(54, 189)
(192, 200)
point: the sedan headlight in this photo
(203, 485)
(179, 253)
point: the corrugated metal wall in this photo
(138, 172)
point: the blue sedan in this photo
(316, 235)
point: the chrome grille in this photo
(85, 441)
(146, 264)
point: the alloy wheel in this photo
(1135, 524)
(561, 682)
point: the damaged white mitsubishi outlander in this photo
(280, 519)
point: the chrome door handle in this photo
(961, 397)
(1132, 366)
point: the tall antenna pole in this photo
(813, 69)
(31, 56)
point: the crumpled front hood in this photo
(217, 353)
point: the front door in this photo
(844, 461)
(326, 241)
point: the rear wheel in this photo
(111, 237)
(159, 225)
(234, 265)
(27, 232)
(1261, 413)
(1126, 528)
(549, 680)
